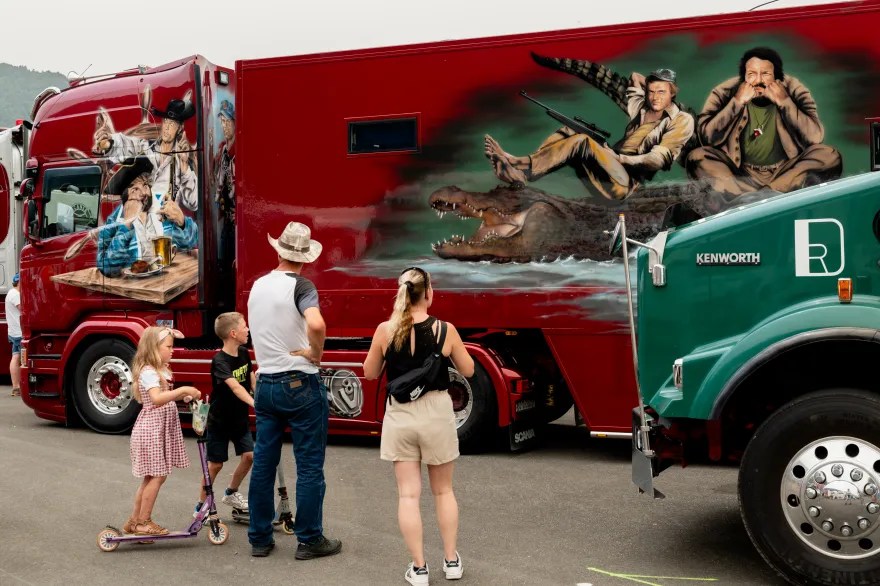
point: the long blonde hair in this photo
(412, 285)
(148, 355)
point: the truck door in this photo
(70, 205)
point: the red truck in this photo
(394, 157)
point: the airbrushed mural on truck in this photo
(140, 203)
(523, 186)
(661, 131)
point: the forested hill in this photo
(18, 88)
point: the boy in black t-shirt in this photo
(233, 382)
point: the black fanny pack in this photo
(413, 384)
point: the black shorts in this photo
(218, 444)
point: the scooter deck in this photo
(132, 537)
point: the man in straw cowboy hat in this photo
(283, 313)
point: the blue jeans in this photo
(300, 401)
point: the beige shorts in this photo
(420, 431)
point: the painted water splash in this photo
(604, 300)
(488, 275)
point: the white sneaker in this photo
(236, 500)
(453, 570)
(416, 576)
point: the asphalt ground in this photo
(565, 513)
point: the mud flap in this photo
(522, 435)
(523, 432)
(643, 465)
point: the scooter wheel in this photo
(220, 535)
(287, 526)
(104, 543)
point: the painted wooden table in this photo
(182, 274)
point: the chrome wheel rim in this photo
(109, 385)
(829, 494)
(462, 397)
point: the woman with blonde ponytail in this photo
(422, 430)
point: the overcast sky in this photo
(108, 36)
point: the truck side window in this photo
(73, 195)
(377, 136)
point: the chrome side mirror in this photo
(616, 241)
(655, 266)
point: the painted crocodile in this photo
(524, 224)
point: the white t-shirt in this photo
(275, 315)
(13, 313)
(149, 379)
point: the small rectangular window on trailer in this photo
(875, 146)
(386, 135)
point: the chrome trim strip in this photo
(611, 434)
(190, 361)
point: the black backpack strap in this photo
(442, 339)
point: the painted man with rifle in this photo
(657, 131)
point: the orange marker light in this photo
(844, 290)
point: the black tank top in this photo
(401, 361)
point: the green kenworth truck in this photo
(759, 334)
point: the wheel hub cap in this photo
(109, 385)
(829, 495)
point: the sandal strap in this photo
(156, 526)
(152, 528)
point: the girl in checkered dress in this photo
(156, 440)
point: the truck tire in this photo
(473, 400)
(102, 387)
(809, 485)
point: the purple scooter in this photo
(110, 537)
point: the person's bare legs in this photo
(214, 469)
(507, 167)
(409, 517)
(244, 466)
(150, 491)
(138, 498)
(446, 506)
(15, 373)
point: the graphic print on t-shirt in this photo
(241, 374)
(227, 410)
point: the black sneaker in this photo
(261, 551)
(319, 548)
